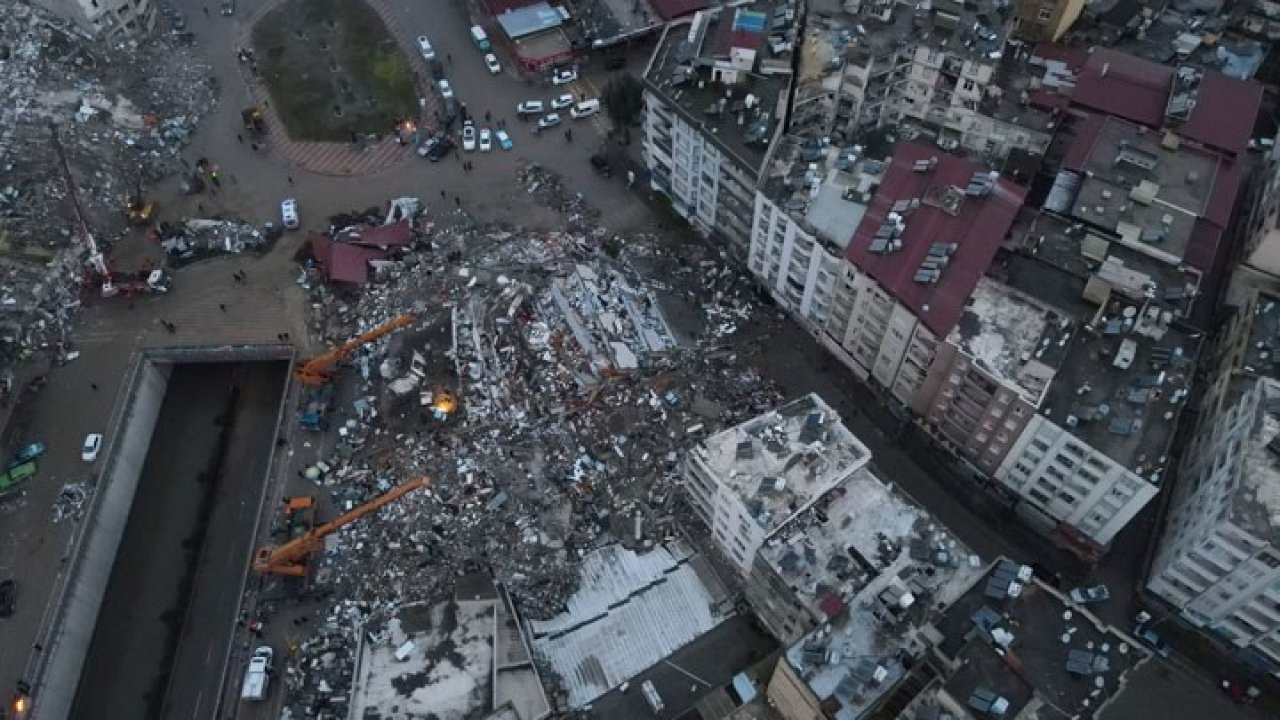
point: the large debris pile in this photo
(121, 117)
(543, 391)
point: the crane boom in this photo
(96, 258)
(318, 370)
(290, 558)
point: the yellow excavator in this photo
(319, 370)
(137, 209)
(291, 558)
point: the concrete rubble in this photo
(545, 392)
(199, 238)
(122, 125)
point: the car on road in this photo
(289, 213)
(424, 47)
(8, 598)
(504, 140)
(430, 148)
(486, 140)
(228, 8)
(177, 20)
(564, 76)
(562, 102)
(585, 109)
(1088, 595)
(491, 62)
(1152, 640)
(446, 90)
(548, 121)
(529, 107)
(92, 446)
(468, 136)
(601, 164)
(27, 454)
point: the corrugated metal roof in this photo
(976, 229)
(535, 18)
(1126, 86)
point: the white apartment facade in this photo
(1086, 494)
(801, 271)
(1219, 559)
(106, 18)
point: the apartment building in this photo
(106, 18)
(1218, 562)
(716, 94)
(1045, 20)
(750, 480)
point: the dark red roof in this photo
(977, 229)
(1130, 87)
(342, 262)
(396, 234)
(1225, 112)
(727, 37)
(1086, 134)
(1073, 57)
(831, 605)
(1046, 99)
(671, 9)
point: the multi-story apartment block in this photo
(716, 97)
(1045, 20)
(750, 480)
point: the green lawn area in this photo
(333, 69)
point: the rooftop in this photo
(1166, 198)
(725, 74)
(898, 569)
(1116, 83)
(629, 612)
(519, 22)
(781, 462)
(932, 230)
(823, 187)
(1125, 374)
(1256, 503)
(1015, 338)
(862, 530)
(1031, 648)
(1262, 356)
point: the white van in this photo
(584, 109)
(480, 39)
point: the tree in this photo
(623, 99)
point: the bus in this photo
(13, 479)
(479, 39)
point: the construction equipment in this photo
(299, 515)
(315, 408)
(252, 118)
(137, 209)
(291, 557)
(319, 370)
(96, 260)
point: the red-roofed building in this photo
(340, 262)
(669, 10)
(397, 234)
(1225, 112)
(1116, 83)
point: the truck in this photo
(480, 39)
(15, 477)
(257, 674)
(26, 454)
(315, 408)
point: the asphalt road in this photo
(147, 606)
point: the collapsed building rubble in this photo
(122, 122)
(544, 391)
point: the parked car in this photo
(8, 598)
(177, 20)
(601, 164)
(564, 77)
(468, 136)
(228, 8)
(504, 140)
(1152, 640)
(441, 149)
(92, 446)
(424, 47)
(548, 121)
(446, 90)
(529, 107)
(1088, 595)
(562, 102)
(27, 454)
(289, 213)
(486, 140)
(585, 109)
(491, 62)
(429, 145)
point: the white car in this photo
(491, 62)
(548, 121)
(424, 47)
(289, 213)
(92, 446)
(446, 91)
(585, 109)
(529, 107)
(468, 137)
(486, 140)
(562, 102)
(564, 77)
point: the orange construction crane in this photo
(319, 370)
(291, 557)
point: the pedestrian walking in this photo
(487, 116)
(444, 195)
(206, 10)
(457, 201)
(239, 138)
(213, 176)
(222, 307)
(449, 57)
(253, 146)
(286, 337)
(93, 386)
(200, 207)
(290, 179)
